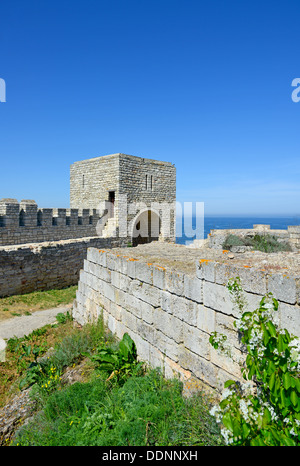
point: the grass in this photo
(146, 410)
(140, 409)
(38, 300)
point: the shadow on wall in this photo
(146, 227)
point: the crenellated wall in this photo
(25, 222)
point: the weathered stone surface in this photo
(14, 414)
(173, 317)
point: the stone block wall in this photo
(45, 266)
(171, 315)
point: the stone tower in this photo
(135, 197)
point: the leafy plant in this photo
(63, 318)
(266, 409)
(121, 362)
(269, 243)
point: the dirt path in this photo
(24, 325)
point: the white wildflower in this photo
(244, 409)
(226, 393)
(227, 436)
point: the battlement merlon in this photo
(27, 214)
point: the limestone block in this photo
(225, 324)
(131, 264)
(108, 291)
(144, 272)
(120, 297)
(284, 288)
(196, 340)
(217, 297)
(101, 272)
(121, 264)
(205, 270)
(146, 331)
(199, 366)
(174, 282)
(111, 260)
(252, 279)
(184, 309)
(168, 324)
(223, 273)
(124, 282)
(156, 358)
(133, 304)
(206, 318)
(146, 293)
(193, 288)
(129, 320)
(159, 279)
(116, 311)
(147, 312)
(166, 345)
(289, 318)
(230, 364)
(142, 347)
(115, 278)
(173, 369)
(111, 323)
(166, 301)
(97, 256)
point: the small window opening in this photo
(39, 218)
(22, 218)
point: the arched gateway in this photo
(145, 227)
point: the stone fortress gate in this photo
(135, 197)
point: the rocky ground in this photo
(183, 258)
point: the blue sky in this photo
(203, 84)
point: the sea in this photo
(222, 223)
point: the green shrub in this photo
(264, 243)
(232, 240)
(266, 411)
(269, 243)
